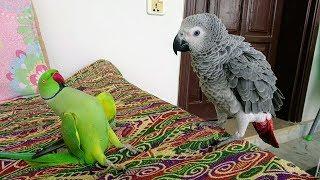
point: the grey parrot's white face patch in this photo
(195, 36)
(202, 32)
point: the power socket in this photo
(155, 7)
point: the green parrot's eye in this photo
(43, 81)
(196, 33)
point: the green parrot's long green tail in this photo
(46, 160)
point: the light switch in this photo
(155, 7)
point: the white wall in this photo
(78, 32)
(312, 103)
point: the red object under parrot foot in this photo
(265, 131)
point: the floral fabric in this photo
(21, 56)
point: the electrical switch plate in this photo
(156, 7)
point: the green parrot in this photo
(85, 125)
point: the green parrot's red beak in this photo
(58, 78)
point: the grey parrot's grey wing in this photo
(253, 82)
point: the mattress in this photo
(173, 144)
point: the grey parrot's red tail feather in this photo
(265, 131)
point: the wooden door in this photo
(257, 20)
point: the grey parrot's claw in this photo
(204, 124)
(219, 146)
(225, 141)
(221, 124)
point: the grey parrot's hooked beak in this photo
(180, 45)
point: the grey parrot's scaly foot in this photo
(220, 124)
(225, 141)
(132, 149)
(210, 124)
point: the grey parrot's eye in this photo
(196, 33)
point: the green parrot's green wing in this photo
(70, 134)
(108, 104)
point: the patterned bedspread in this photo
(174, 146)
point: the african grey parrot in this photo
(234, 76)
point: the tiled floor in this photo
(302, 153)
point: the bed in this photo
(174, 145)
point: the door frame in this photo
(306, 55)
(310, 26)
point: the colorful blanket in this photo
(174, 145)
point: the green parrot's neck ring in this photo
(61, 86)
